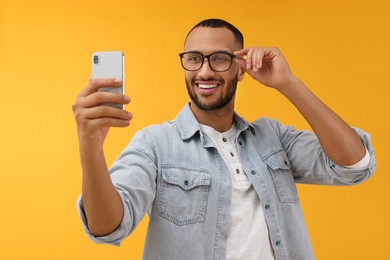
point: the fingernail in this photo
(126, 98)
(128, 115)
(116, 81)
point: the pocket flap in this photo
(186, 178)
(278, 160)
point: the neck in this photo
(220, 119)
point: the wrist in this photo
(90, 146)
(289, 84)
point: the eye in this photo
(193, 57)
(220, 58)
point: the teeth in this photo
(207, 85)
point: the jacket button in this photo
(278, 242)
(240, 142)
(253, 172)
(186, 183)
(267, 206)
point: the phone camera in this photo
(96, 59)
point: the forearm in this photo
(270, 68)
(102, 204)
(339, 141)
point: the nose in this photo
(205, 71)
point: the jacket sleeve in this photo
(134, 177)
(310, 164)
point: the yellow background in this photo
(339, 48)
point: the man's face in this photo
(208, 89)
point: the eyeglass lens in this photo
(217, 61)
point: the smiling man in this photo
(214, 185)
(211, 85)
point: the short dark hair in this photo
(218, 23)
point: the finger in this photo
(258, 59)
(270, 53)
(241, 53)
(249, 58)
(103, 116)
(241, 62)
(100, 97)
(107, 122)
(106, 111)
(95, 84)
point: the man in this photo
(214, 185)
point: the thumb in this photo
(241, 62)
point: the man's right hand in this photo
(94, 120)
(102, 203)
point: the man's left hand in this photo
(266, 65)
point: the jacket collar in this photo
(189, 126)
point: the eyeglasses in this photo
(219, 61)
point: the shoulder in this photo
(268, 125)
(164, 127)
(157, 132)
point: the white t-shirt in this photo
(248, 236)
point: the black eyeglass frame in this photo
(232, 56)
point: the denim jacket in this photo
(174, 173)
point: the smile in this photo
(207, 86)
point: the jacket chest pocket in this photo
(183, 194)
(279, 168)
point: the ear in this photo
(241, 71)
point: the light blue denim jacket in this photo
(174, 173)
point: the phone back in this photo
(109, 64)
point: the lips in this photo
(207, 84)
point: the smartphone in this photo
(109, 64)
